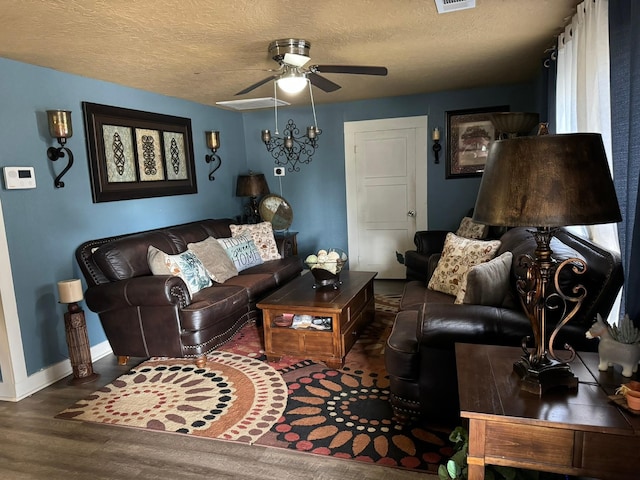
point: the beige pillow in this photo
(487, 283)
(215, 259)
(458, 256)
(470, 229)
(184, 265)
(262, 236)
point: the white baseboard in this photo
(46, 376)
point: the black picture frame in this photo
(469, 134)
(135, 154)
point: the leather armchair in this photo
(421, 262)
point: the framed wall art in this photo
(135, 154)
(469, 133)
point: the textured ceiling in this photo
(206, 51)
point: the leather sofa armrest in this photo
(430, 241)
(152, 290)
(442, 325)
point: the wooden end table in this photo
(568, 432)
(349, 309)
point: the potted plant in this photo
(619, 344)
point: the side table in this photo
(569, 432)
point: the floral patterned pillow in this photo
(470, 229)
(262, 236)
(458, 256)
(184, 265)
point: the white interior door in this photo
(386, 163)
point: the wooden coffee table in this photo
(348, 308)
(577, 433)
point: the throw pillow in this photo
(470, 229)
(262, 235)
(184, 265)
(242, 251)
(487, 283)
(214, 258)
(458, 256)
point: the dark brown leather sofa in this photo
(420, 355)
(147, 315)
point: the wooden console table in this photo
(577, 433)
(349, 307)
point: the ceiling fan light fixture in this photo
(292, 83)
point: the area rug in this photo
(293, 403)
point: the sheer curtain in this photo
(583, 96)
(582, 88)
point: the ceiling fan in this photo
(292, 76)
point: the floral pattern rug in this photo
(294, 403)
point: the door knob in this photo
(411, 213)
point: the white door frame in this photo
(12, 361)
(350, 129)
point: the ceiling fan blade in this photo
(322, 83)
(256, 85)
(353, 69)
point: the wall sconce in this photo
(213, 142)
(60, 128)
(435, 136)
(75, 326)
(291, 148)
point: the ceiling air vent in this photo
(446, 6)
(252, 103)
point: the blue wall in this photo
(317, 192)
(45, 225)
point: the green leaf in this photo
(442, 473)
(453, 468)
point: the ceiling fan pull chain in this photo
(275, 95)
(313, 106)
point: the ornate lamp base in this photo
(539, 379)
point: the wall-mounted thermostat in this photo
(19, 177)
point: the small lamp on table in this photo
(75, 326)
(253, 186)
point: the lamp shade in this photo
(59, 123)
(252, 185)
(547, 181)
(70, 291)
(213, 139)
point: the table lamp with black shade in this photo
(547, 182)
(253, 186)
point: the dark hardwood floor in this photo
(35, 445)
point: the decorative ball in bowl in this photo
(325, 267)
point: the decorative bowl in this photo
(326, 267)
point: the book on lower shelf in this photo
(310, 322)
